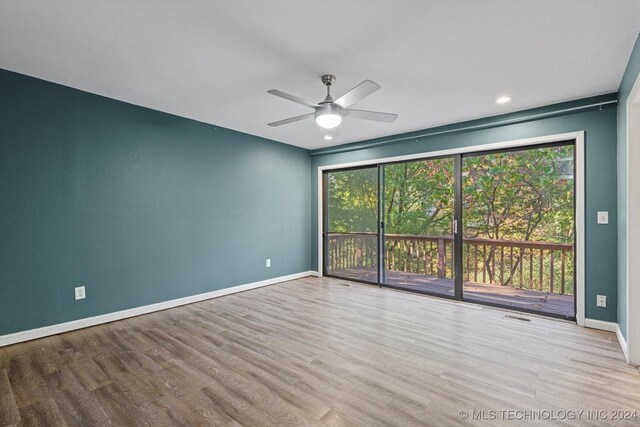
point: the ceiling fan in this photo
(329, 113)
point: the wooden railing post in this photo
(441, 258)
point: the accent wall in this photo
(137, 205)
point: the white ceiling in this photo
(438, 62)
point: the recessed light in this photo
(328, 137)
(503, 100)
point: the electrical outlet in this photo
(601, 301)
(268, 262)
(80, 293)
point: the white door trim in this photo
(580, 194)
(633, 208)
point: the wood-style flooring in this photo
(317, 352)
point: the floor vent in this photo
(524, 319)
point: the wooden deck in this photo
(515, 298)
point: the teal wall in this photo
(629, 78)
(600, 153)
(138, 205)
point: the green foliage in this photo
(419, 197)
(520, 195)
(353, 200)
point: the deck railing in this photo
(543, 266)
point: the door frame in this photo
(631, 347)
(578, 137)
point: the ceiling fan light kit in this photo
(329, 113)
(328, 116)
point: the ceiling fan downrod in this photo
(328, 80)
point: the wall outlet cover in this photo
(80, 293)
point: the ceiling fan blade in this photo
(293, 98)
(291, 120)
(370, 115)
(359, 92)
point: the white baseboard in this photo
(137, 311)
(315, 273)
(600, 324)
(623, 343)
(611, 327)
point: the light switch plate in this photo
(603, 217)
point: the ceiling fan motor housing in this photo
(328, 108)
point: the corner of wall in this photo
(626, 85)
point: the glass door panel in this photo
(351, 224)
(418, 213)
(518, 240)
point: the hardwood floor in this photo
(318, 352)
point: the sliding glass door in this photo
(518, 247)
(494, 228)
(418, 213)
(351, 235)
